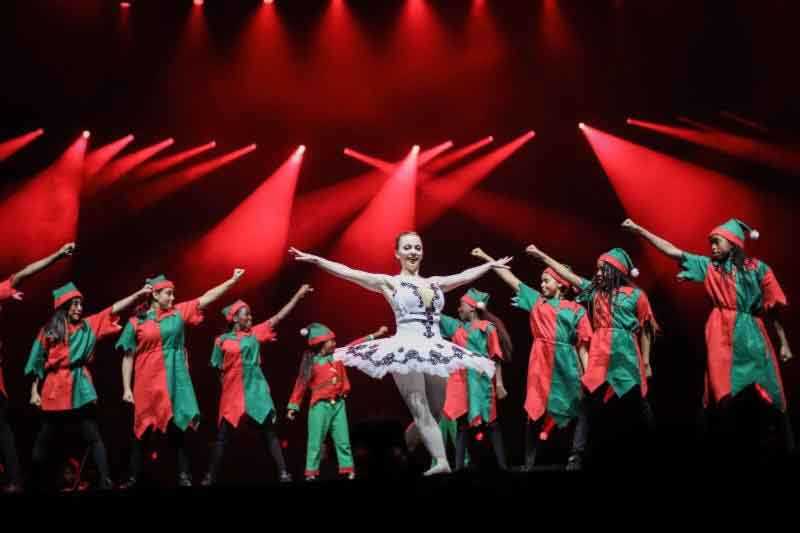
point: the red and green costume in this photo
(7, 292)
(470, 393)
(557, 326)
(67, 383)
(615, 356)
(237, 355)
(162, 387)
(329, 387)
(740, 352)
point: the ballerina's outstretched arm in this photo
(367, 280)
(448, 283)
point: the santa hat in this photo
(232, 310)
(64, 294)
(317, 333)
(735, 231)
(619, 259)
(476, 298)
(160, 282)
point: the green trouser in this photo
(328, 416)
(449, 429)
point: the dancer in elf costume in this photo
(329, 386)
(623, 328)
(245, 392)
(471, 398)
(555, 367)
(162, 394)
(743, 291)
(58, 360)
(8, 291)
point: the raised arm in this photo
(280, 315)
(562, 271)
(662, 245)
(504, 273)
(448, 283)
(367, 280)
(126, 302)
(41, 264)
(213, 294)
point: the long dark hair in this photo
(502, 332)
(613, 279)
(56, 328)
(306, 363)
(737, 257)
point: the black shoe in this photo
(286, 477)
(129, 483)
(184, 480)
(208, 480)
(12, 488)
(574, 463)
(105, 484)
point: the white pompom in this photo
(754, 234)
(304, 332)
(635, 272)
(481, 305)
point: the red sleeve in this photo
(6, 290)
(493, 344)
(583, 331)
(190, 312)
(644, 313)
(345, 379)
(772, 292)
(264, 332)
(299, 391)
(104, 323)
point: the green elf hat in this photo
(233, 309)
(160, 282)
(735, 231)
(476, 298)
(317, 333)
(64, 294)
(619, 259)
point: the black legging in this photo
(53, 422)
(177, 441)
(464, 440)
(8, 450)
(224, 435)
(591, 404)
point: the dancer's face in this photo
(550, 287)
(720, 247)
(328, 347)
(409, 252)
(164, 298)
(465, 311)
(244, 318)
(75, 311)
(599, 276)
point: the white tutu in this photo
(417, 346)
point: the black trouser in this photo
(85, 419)
(466, 436)
(226, 430)
(592, 404)
(742, 422)
(177, 441)
(8, 450)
